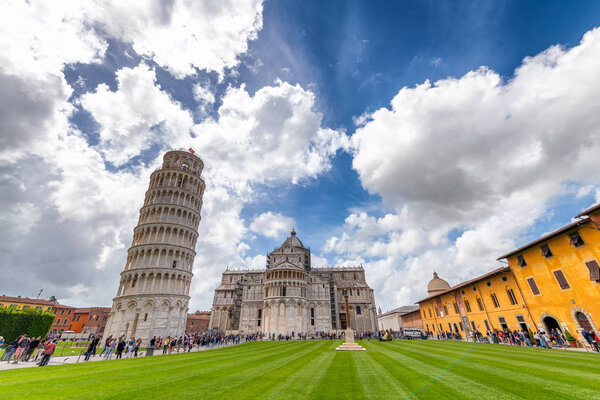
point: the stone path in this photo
(75, 358)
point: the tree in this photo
(53, 299)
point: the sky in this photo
(407, 137)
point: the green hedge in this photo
(16, 322)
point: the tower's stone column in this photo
(153, 295)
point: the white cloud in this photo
(72, 218)
(203, 94)
(273, 225)
(179, 35)
(275, 135)
(182, 35)
(477, 156)
(145, 115)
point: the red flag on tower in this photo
(192, 150)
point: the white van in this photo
(410, 333)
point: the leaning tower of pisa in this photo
(152, 299)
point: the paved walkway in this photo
(75, 358)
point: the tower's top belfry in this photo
(153, 294)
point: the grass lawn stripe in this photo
(300, 383)
(414, 380)
(341, 380)
(299, 370)
(556, 368)
(428, 384)
(553, 382)
(256, 384)
(379, 381)
(172, 369)
(218, 379)
(442, 372)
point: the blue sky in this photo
(311, 114)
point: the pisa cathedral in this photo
(291, 297)
(153, 295)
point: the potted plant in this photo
(569, 338)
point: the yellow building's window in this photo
(512, 297)
(521, 261)
(445, 310)
(533, 286)
(480, 304)
(455, 308)
(575, 239)
(562, 281)
(430, 315)
(467, 306)
(594, 270)
(546, 252)
(495, 300)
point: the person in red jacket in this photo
(48, 351)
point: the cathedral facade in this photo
(291, 297)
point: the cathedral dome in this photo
(437, 285)
(292, 241)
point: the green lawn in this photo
(313, 370)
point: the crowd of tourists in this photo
(25, 348)
(546, 340)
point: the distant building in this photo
(412, 320)
(291, 297)
(26, 302)
(95, 320)
(197, 323)
(63, 318)
(393, 319)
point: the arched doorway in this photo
(583, 320)
(550, 323)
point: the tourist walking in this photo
(31, 348)
(48, 351)
(136, 347)
(106, 345)
(120, 348)
(40, 350)
(91, 349)
(21, 347)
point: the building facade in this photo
(95, 321)
(291, 297)
(559, 275)
(487, 303)
(412, 320)
(550, 283)
(26, 302)
(197, 323)
(153, 295)
(393, 319)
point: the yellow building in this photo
(25, 302)
(559, 275)
(489, 302)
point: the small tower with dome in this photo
(437, 285)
